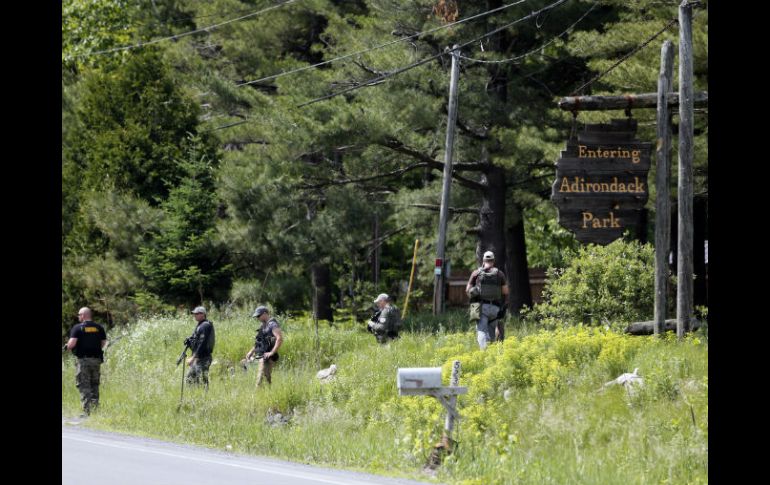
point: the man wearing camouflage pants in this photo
(87, 342)
(203, 345)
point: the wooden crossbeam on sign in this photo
(630, 101)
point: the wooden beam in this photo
(647, 328)
(633, 101)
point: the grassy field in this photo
(557, 426)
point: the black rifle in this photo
(375, 319)
(263, 343)
(189, 343)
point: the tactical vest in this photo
(490, 286)
(264, 341)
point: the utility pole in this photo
(662, 184)
(684, 296)
(440, 271)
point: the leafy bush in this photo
(611, 284)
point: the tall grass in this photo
(556, 427)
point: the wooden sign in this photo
(601, 181)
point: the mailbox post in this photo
(426, 381)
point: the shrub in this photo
(611, 284)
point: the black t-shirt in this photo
(90, 336)
(204, 335)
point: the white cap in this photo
(381, 296)
(489, 256)
(199, 309)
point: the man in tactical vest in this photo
(487, 289)
(87, 341)
(386, 323)
(266, 344)
(202, 345)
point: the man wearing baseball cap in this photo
(266, 344)
(203, 340)
(386, 323)
(487, 289)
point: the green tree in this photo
(183, 262)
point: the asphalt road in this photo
(97, 458)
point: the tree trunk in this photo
(492, 217)
(517, 270)
(322, 294)
(376, 252)
(492, 211)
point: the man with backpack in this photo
(487, 289)
(386, 323)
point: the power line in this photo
(347, 56)
(553, 39)
(624, 58)
(184, 34)
(431, 58)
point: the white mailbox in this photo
(418, 380)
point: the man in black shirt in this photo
(87, 341)
(202, 347)
(266, 344)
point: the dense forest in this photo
(229, 152)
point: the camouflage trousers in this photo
(385, 337)
(487, 328)
(265, 369)
(199, 372)
(87, 375)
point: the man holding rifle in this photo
(202, 345)
(266, 344)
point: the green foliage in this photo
(297, 186)
(547, 241)
(119, 168)
(90, 26)
(611, 284)
(183, 256)
(135, 122)
(104, 282)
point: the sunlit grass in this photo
(556, 427)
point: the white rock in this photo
(326, 374)
(627, 380)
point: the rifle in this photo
(188, 344)
(375, 319)
(263, 343)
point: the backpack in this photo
(489, 284)
(394, 319)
